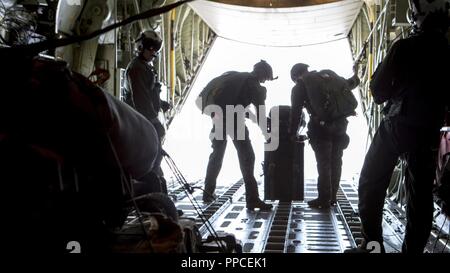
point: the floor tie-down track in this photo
(292, 227)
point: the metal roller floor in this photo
(293, 227)
(289, 228)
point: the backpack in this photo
(386, 81)
(223, 90)
(329, 95)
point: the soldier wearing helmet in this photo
(236, 89)
(142, 86)
(328, 137)
(143, 92)
(263, 71)
(413, 82)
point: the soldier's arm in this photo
(259, 94)
(354, 81)
(261, 101)
(298, 98)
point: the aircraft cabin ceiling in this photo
(279, 23)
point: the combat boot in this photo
(319, 204)
(258, 203)
(333, 202)
(209, 198)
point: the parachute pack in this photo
(329, 95)
(222, 90)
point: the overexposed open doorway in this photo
(187, 139)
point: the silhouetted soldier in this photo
(327, 125)
(413, 80)
(236, 89)
(143, 94)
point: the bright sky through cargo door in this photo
(187, 139)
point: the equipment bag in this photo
(329, 95)
(283, 168)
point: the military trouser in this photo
(328, 142)
(392, 140)
(246, 162)
(155, 179)
(328, 152)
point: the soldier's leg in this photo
(322, 150)
(159, 128)
(340, 143)
(246, 158)
(420, 174)
(157, 169)
(376, 173)
(214, 166)
(247, 162)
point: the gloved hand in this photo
(165, 106)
